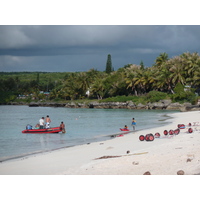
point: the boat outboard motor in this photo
(28, 126)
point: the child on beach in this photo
(133, 123)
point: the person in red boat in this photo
(37, 126)
(48, 121)
(126, 128)
(41, 121)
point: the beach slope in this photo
(125, 155)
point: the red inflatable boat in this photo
(43, 131)
(124, 129)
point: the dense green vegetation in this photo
(177, 79)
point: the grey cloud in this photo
(84, 47)
(13, 37)
(76, 36)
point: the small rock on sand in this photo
(180, 172)
(147, 173)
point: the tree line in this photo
(177, 78)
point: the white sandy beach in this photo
(163, 156)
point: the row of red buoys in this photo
(172, 132)
(150, 137)
(147, 137)
(182, 126)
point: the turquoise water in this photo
(82, 126)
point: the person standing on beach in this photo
(62, 127)
(133, 123)
(41, 121)
(48, 121)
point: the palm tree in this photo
(137, 79)
(84, 82)
(129, 78)
(191, 66)
(177, 70)
(98, 88)
(71, 86)
(149, 79)
(162, 80)
(161, 59)
(196, 79)
(86, 79)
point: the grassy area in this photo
(135, 99)
(27, 76)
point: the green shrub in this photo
(6, 97)
(155, 96)
(182, 96)
(116, 99)
(135, 99)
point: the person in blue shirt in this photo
(133, 123)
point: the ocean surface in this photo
(82, 125)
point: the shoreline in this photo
(100, 139)
(161, 105)
(165, 155)
(24, 156)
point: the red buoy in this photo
(181, 126)
(149, 137)
(165, 132)
(171, 132)
(157, 135)
(141, 138)
(177, 131)
(190, 130)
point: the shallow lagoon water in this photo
(82, 126)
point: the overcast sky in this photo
(82, 47)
